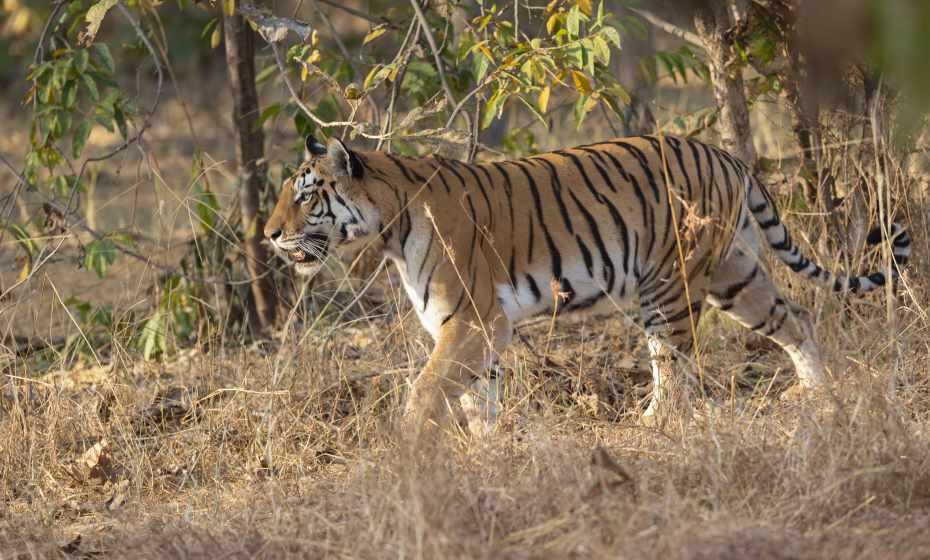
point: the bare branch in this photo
(39, 55)
(334, 33)
(424, 26)
(273, 28)
(403, 57)
(303, 106)
(360, 14)
(668, 27)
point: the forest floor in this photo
(289, 448)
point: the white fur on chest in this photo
(431, 314)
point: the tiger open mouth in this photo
(314, 249)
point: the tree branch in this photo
(424, 27)
(360, 14)
(335, 34)
(668, 27)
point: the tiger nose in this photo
(272, 233)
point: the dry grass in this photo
(289, 449)
(281, 454)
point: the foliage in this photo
(490, 60)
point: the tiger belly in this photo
(577, 291)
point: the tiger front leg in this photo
(465, 348)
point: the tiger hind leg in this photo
(669, 336)
(744, 291)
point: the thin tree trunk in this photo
(712, 24)
(638, 117)
(240, 58)
(805, 114)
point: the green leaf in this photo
(618, 91)
(493, 107)
(583, 106)
(91, 86)
(208, 208)
(601, 50)
(268, 112)
(81, 134)
(81, 58)
(377, 75)
(99, 255)
(59, 183)
(103, 52)
(120, 118)
(611, 35)
(153, 339)
(209, 27)
(574, 21)
(23, 239)
(266, 73)
(94, 18)
(534, 111)
(481, 68)
(69, 95)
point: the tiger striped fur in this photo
(482, 246)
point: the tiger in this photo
(658, 224)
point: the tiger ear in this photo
(343, 161)
(313, 147)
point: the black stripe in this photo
(610, 274)
(619, 222)
(644, 165)
(768, 224)
(556, 183)
(676, 147)
(408, 174)
(446, 164)
(442, 179)
(734, 289)
(586, 255)
(555, 256)
(484, 193)
(707, 193)
(533, 287)
(429, 247)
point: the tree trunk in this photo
(240, 59)
(805, 114)
(712, 23)
(638, 117)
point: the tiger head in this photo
(322, 207)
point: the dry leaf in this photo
(376, 32)
(94, 18)
(582, 84)
(95, 465)
(543, 101)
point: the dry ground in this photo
(288, 449)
